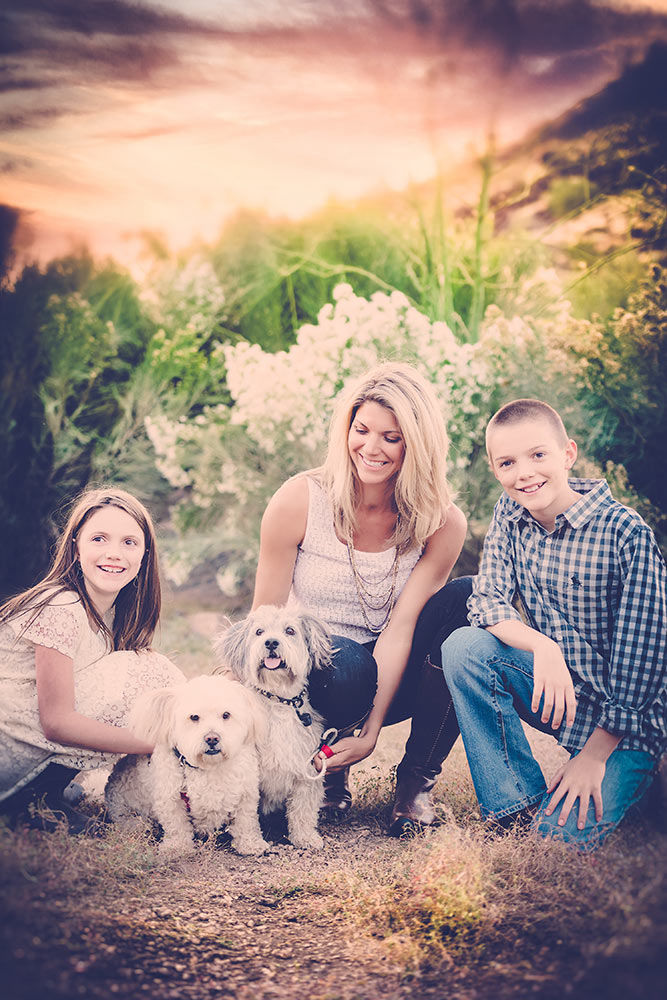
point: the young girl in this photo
(75, 653)
(367, 543)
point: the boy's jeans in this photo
(491, 685)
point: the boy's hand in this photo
(581, 778)
(552, 679)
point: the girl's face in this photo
(110, 546)
(375, 444)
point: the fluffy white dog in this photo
(272, 652)
(203, 772)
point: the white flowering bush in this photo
(229, 460)
(286, 398)
(189, 294)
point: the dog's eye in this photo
(290, 631)
(225, 715)
(194, 718)
(260, 631)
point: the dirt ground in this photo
(233, 928)
(221, 926)
(218, 926)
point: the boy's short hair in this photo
(527, 409)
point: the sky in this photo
(124, 116)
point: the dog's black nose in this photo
(212, 740)
(271, 644)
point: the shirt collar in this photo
(595, 493)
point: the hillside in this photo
(595, 177)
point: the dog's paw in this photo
(313, 841)
(250, 846)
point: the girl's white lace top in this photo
(106, 685)
(323, 582)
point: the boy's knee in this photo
(586, 839)
(462, 647)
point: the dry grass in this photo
(490, 917)
(463, 900)
(510, 916)
(461, 897)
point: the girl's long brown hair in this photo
(137, 606)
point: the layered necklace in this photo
(378, 596)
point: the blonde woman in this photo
(367, 543)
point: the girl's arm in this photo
(283, 528)
(59, 719)
(392, 649)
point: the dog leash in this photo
(330, 736)
(184, 762)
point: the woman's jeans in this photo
(491, 685)
(344, 696)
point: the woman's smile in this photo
(375, 443)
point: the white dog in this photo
(203, 772)
(272, 652)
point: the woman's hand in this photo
(349, 750)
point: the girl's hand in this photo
(349, 750)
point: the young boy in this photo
(588, 667)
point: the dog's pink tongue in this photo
(271, 662)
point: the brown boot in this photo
(337, 794)
(413, 808)
(433, 734)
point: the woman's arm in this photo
(283, 528)
(392, 649)
(59, 719)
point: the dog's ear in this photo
(318, 641)
(230, 650)
(151, 715)
(256, 719)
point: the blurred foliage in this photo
(567, 194)
(277, 275)
(601, 290)
(70, 334)
(95, 370)
(623, 365)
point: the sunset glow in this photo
(153, 120)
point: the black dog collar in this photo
(305, 718)
(182, 760)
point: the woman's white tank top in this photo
(323, 582)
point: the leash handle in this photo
(329, 736)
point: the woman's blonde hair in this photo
(137, 606)
(422, 495)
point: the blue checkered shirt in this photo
(596, 586)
